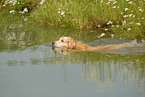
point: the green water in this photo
(29, 67)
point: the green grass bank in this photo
(123, 18)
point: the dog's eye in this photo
(62, 40)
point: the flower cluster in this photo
(42, 2)
(129, 17)
(24, 11)
(13, 2)
(62, 13)
(12, 11)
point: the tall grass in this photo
(125, 18)
(18, 6)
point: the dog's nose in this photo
(53, 42)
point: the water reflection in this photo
(22, 38)
(107, 68)
(24, 45)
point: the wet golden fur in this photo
(70, 43)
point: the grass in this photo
(123, 18)
(18, 6)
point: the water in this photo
(29, 67)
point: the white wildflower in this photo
(117, 26)
(106, 29)
(127, 0)
(42, 2)
(124, 23)
(14, 3)
(114, 6)
(59, 11)
(112, 35)
(130, 15)
(130, 2)
(12, 11)
(115, 2)
(25, 10)
(101, 35)
(107, 3)
(62, 13)
(99, 25)
(125, 16)
(128, 28)
(109, 23)
(140, 10)
(6, 2)
(112, 25)
(133, 16)
(138, 24)
(142, 18)
(11, 2)
(126, 9)
(4, 5)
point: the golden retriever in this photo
(71, 44)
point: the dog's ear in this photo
(71, 43)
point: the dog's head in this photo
(65, 42)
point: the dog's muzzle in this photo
(53, 47)
(53, 42)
